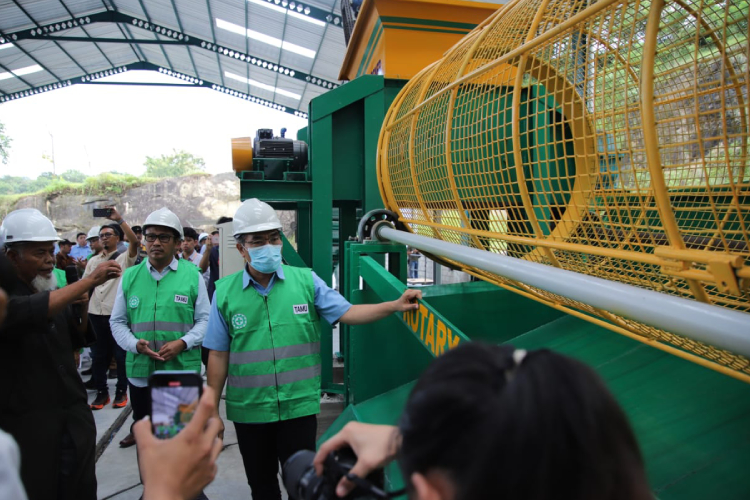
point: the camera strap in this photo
(372, 489)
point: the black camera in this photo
(302, 483)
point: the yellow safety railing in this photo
(604, 137)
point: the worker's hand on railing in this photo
(407, 301)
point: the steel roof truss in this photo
(9, 71)
(213, 35)
(281, 50)
(177, 38)
(57, 44)
(148, 18)
(136, 49)
(190, 54)
(311, 11)
(90, 78)
(87, 34)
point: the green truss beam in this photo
(175, 37)
(90, 78)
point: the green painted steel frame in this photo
(693, 424)
(343, 134)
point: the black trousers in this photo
(77, 479)
(102, 354)
(264, 446)
(140, 402)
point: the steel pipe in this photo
(713, 325)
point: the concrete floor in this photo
(117, 469)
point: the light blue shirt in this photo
(79, 252)
(118, 321)
(329, 304)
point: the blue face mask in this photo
(265, 259)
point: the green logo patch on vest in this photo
(133, 302)
(239, 321)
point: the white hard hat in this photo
(93, 232)
(202, 236)
(254, 216)
(28, 224)
(163, 217)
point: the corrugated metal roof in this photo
(78, 41)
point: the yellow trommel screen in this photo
(604, 137)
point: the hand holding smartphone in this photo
(102, 212)
(174, 400)
(183, 466)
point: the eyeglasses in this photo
(106, 235)
(163, 237)
(259, 241)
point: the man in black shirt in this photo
(43, 403)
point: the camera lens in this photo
(299, 477)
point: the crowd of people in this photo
(149, 297)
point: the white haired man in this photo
(43, 403)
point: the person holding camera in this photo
(100, 310)
(486, 421)
(160, 313)
(264, 341)
(43, 403)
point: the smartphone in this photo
(174, 399)
(102, 212)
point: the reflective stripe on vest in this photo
(169, 326)
(274, 359)
(291, 351)
(269, 380)
(160, 312)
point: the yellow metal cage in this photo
(604, 137)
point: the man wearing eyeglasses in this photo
(264, 340)
(160, 312)
(100, 309)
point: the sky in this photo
(100, 128)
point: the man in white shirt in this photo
(162, 232)
(189, 243)
(100, 309)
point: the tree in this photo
(178, 163)
(73, 176)
(41, 182)
(4, 144)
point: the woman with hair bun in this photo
(493, 422)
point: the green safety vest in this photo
(60, 276)
(274, 354)
(160, 312)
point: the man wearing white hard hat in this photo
(202, 239)
(160, 312)
(264, 341)
(93, 240)
(43, 404)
